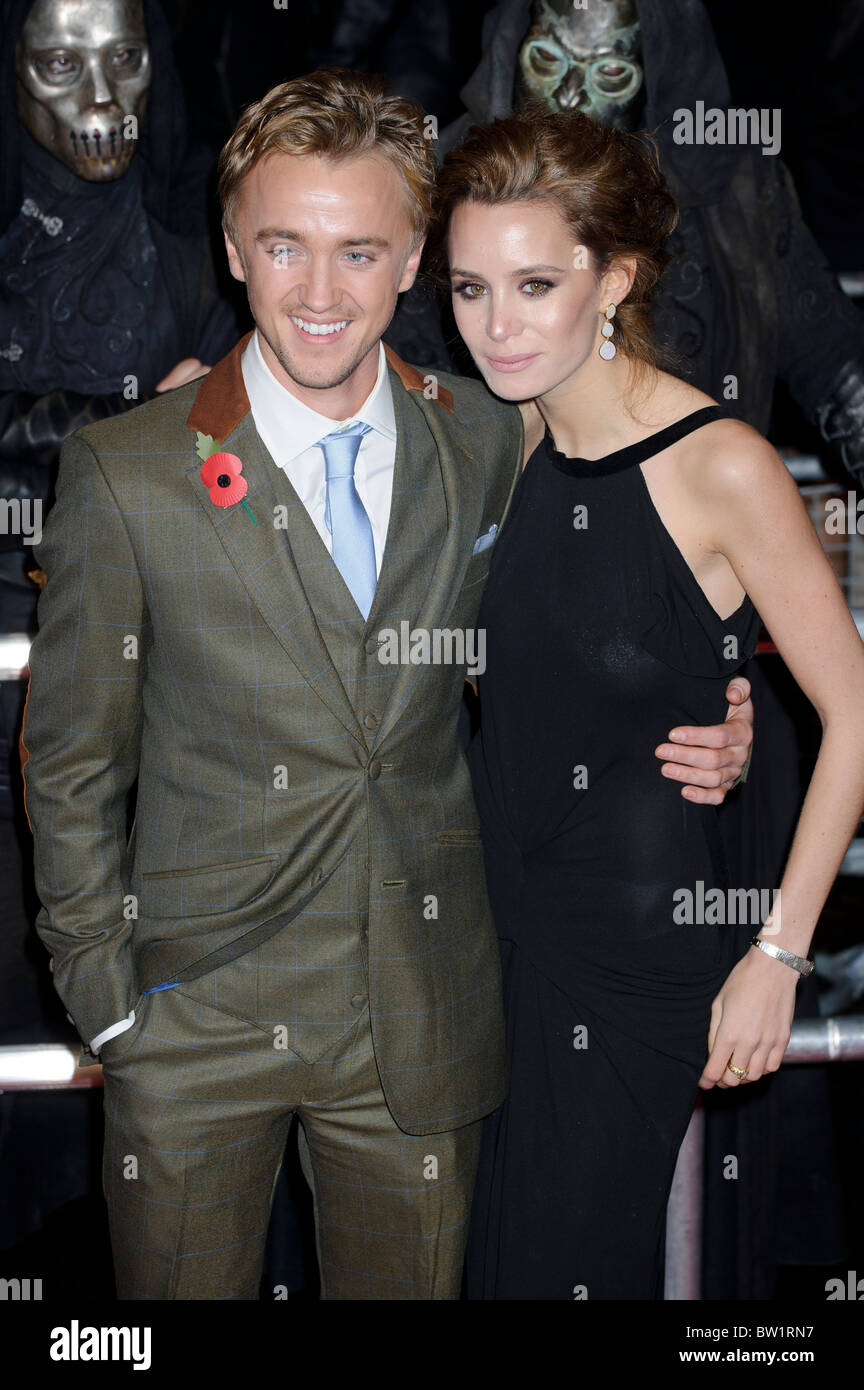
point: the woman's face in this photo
(525, 297)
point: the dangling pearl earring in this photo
(607, 348)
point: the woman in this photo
(647, 529)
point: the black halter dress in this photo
(599, 641)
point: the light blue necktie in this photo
(345, 516)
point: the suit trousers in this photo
(198, 1107)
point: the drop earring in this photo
(607, 348)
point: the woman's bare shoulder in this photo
(730, 460)
(720, 443)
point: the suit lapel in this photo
(428, 430)
(261, 553)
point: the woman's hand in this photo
(751, 1020)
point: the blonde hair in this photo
(339, 114)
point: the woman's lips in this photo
(512, 364)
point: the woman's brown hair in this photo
(605, 183)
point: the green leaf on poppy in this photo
(205, 445)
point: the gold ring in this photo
(740, 1072)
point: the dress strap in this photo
(633, 454)
(680, 428)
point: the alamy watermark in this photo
(734, 126)
(21, 517)
(756, 907)
(437, 646)
(77, 1343)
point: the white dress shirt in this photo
(291, 430)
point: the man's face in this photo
(83, 66)
(324, 246)
(585, 60)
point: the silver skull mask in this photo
(585, 59)
(83, 68)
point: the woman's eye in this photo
(466, 289)
(537, 287)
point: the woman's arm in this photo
(758, 522)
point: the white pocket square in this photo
(483, 542)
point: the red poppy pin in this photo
(222, 473)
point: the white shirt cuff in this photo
(111, 1032)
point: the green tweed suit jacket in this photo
(178, 647)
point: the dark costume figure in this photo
(747, 298)
(106, 283)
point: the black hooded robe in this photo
(124, 287)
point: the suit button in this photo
(357, 1001)
(370, 646)
(370, 720)
(374, 769)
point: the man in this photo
(299, 922)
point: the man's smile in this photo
(320, 332)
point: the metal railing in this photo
(45, 1067)
(812, 1040)
(54, 1066)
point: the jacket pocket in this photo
(234, 910)
(210, 868)
(206, 889)
(458, 837)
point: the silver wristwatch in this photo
(799, 963)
